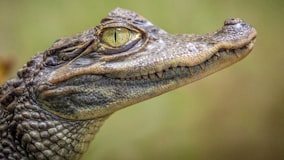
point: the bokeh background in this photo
(237, 113)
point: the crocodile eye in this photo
(116, 37)
(119, 39)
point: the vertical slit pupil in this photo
(115, 36)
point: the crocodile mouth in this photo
(223, 54)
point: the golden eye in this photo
(117, 37)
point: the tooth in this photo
(238, 55)
(210, 60)
(190, 70)
(182, 68)
(160, 75)
(174, 68)
(250, 45)
(227, 51)
(138, 77)
(166, 70)
(152, 76)
(217, 54)
(214, 58)
(145, 77)
(202, 66)
(237, 52)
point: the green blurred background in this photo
(237, 113)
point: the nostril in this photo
(232, 21)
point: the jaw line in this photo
(235, 55)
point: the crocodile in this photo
(61, 97)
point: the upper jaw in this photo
(236, 38)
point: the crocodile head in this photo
(126, 59)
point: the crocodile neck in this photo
(61, 97)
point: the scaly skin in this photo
(62, 96)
